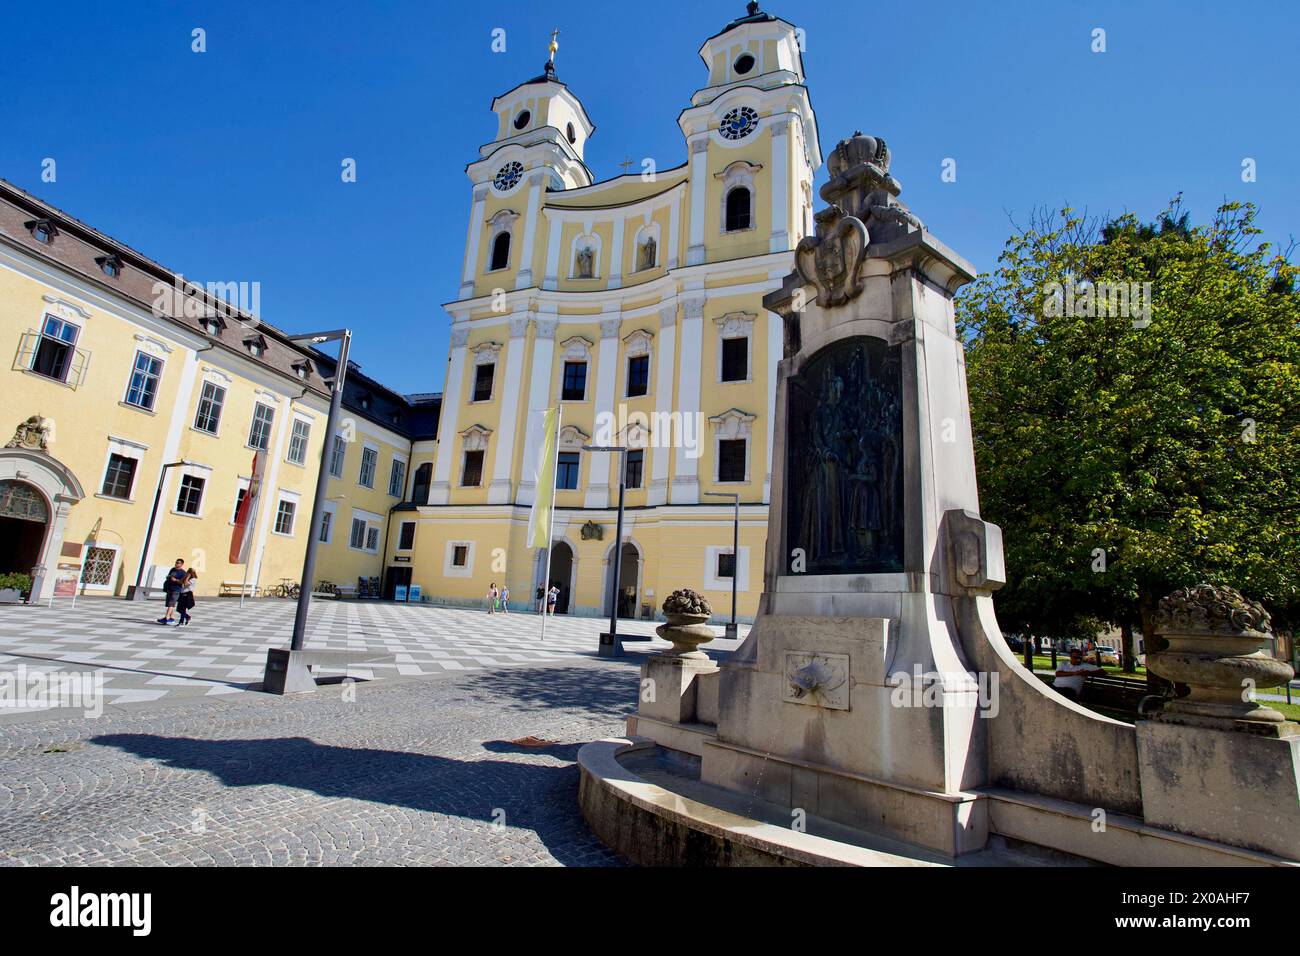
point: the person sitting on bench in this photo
(1070, 674)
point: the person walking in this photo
(493, 596)
(541, 599)
(172, 591)
(505, 599)
(552, 596)
(185, 603)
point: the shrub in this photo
(686, 601)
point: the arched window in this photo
(423, 478)
(501, 249)
(738, 209)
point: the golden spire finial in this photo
(555, 44)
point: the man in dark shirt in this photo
(172, 590)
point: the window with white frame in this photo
(189, 500)
(259, 433)
(285, 512)
(212, 399)
(575, 360)
(337, 452)
(327, 519)
(357, 539)
(55, 351)
(732, 431)
(298, 441)
(364, 534)
(369, 462)
(722, 566)
(241, 492)
(142, 390)
(636, 347)
(397, 478)
(735, 346)
(737, 213)
(474, 441)
(121, 468)
(500, 235)
(458, 559)
(485, 364)
(97, 568)
(119, 477)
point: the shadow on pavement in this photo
(540, 798)
(590, 690)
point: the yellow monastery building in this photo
(633, 303)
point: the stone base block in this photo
(668, 687)
(951, 823)
(1237, 788)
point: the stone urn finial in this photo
(686, 611)
(1218, 647)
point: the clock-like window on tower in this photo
(739, 122)
(570, 132)
(744, 63)
(508, 176)
(500, 252)
(522, 119)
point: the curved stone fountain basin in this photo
(648, 805)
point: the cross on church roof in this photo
(627, 164)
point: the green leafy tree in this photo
(1126, 451)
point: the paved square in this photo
(185, 766)
(224, 650)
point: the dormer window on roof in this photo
(364, 401)
(256, 345)
(111, 266)
(302, 369)
(42, 230)
(212, 324)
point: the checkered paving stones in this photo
(223, 651)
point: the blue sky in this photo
(225, 165)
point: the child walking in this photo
(186, 601)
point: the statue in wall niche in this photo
(33, 433)
(585, 263)
(646, 254)
(844, 466)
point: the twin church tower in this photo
(634, 303)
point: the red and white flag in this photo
(242, 537)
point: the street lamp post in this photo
(344, 337)
(731, 629)
(609, 643)
(138, 592)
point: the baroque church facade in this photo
(635, 304)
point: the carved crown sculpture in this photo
(1207, 607)
(861, 193)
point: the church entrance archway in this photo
(24, 521)
(562, 575)
(37, 492)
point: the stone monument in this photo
(874, 694)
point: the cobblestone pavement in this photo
(407, 771)
(223, 653)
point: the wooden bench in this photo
(1119, 693)
(291, 672)
(327, 594)
(238, 589)
(345, 591)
